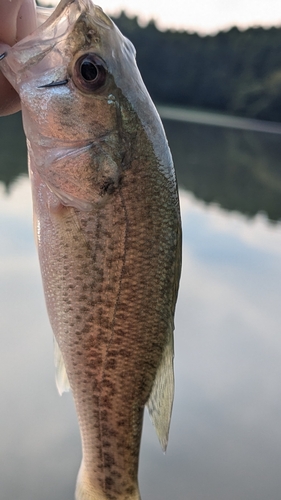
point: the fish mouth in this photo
(69, 8)
(33, 48)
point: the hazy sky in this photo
(200, 15)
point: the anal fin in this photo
(62, 382)
(160, 402)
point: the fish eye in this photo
(89, 72)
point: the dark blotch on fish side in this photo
(2, 56)
(109, 482)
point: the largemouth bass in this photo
(107, 225)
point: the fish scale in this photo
(121, 311)
(107, 225)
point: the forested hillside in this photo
(235, 72)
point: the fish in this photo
(108, 232)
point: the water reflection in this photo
(38, 435)
(12, 149)
(225, 438)
(239, 170)
(226, 434)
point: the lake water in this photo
(225, 440)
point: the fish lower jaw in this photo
(85, 491)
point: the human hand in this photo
(17, 20)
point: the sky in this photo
(204, 16)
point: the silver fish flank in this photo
(107, 226)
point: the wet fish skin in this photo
(108, 232)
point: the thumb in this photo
(17, 20)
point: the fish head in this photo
(83, 100)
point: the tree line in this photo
(235, 71)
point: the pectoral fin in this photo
(160, 402)
(61, 375)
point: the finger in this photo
(26, 20)
(17, 20)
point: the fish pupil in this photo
(89, 71)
